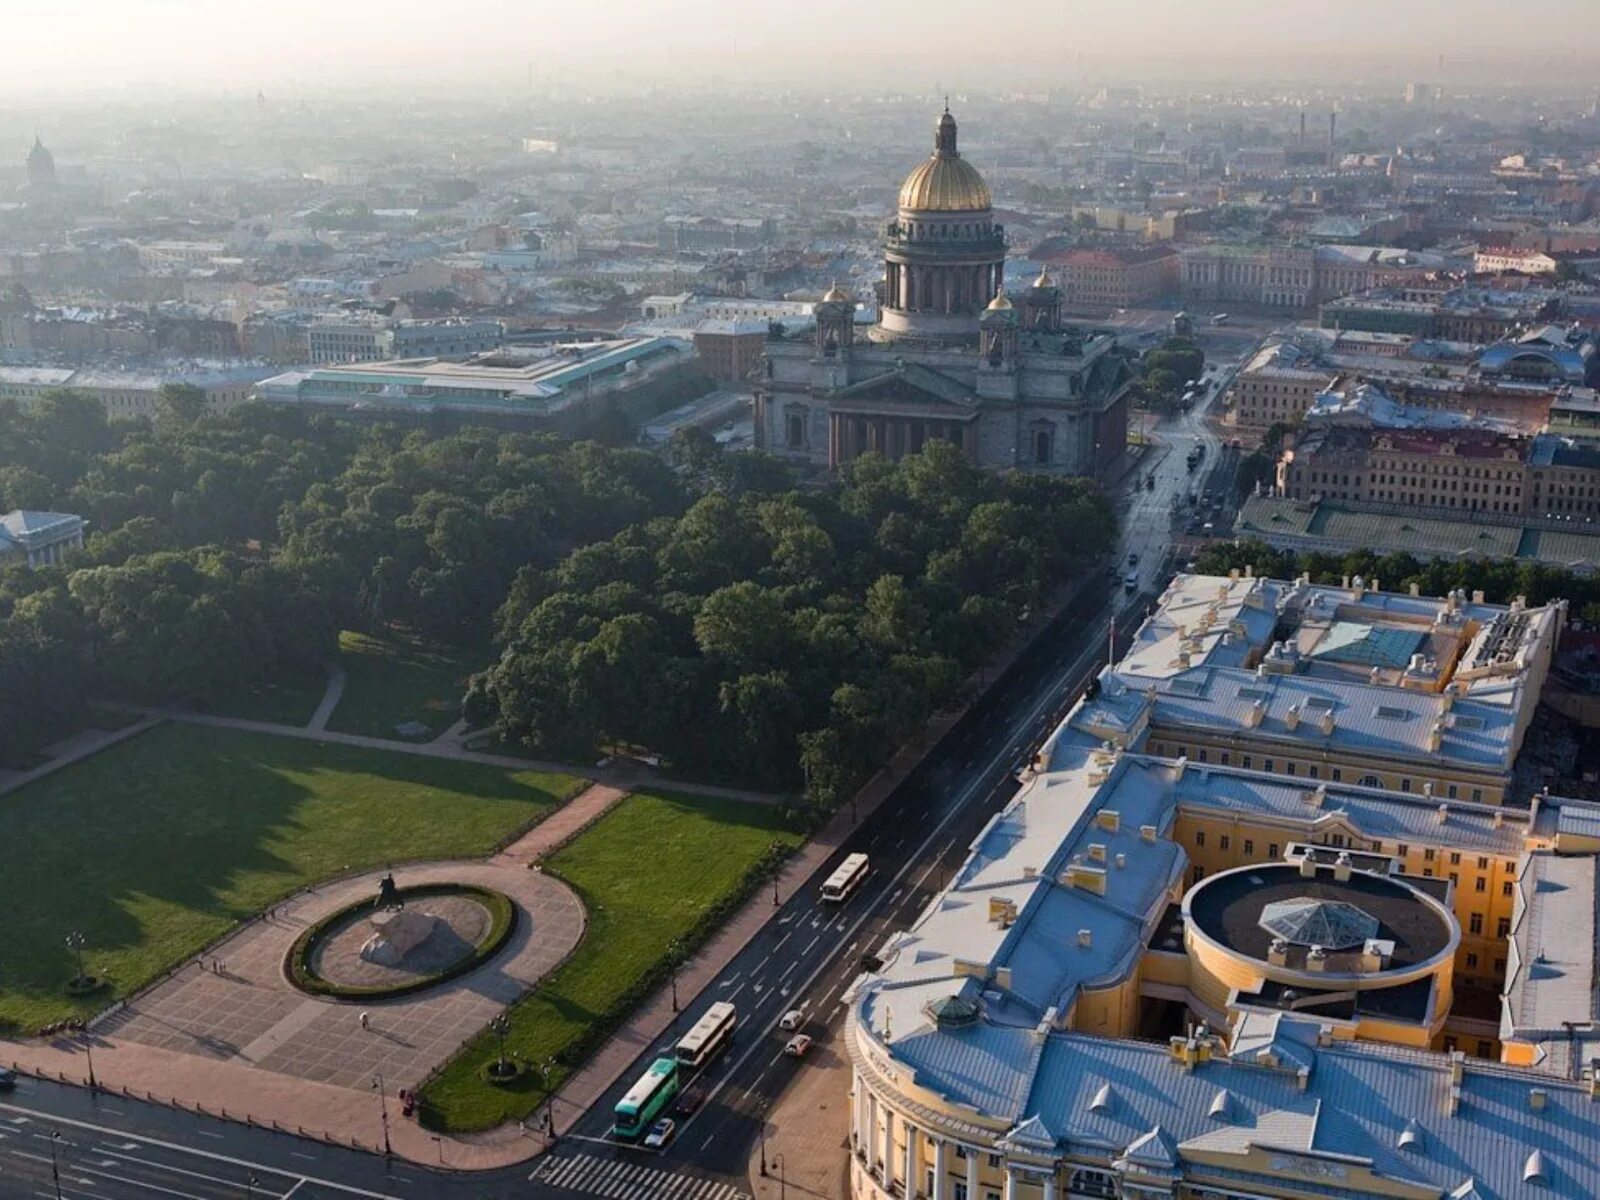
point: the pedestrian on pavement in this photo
(364, 1020)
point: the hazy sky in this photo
(65, 46)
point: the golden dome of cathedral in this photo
(946, 182)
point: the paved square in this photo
(236, 1003)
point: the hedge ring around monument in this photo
(301, 973)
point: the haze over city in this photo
(720, 601)
(489, 46)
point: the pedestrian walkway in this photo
(75, 749)
(330, 698)
(620, 1179)
(627, 773)
(561, 826)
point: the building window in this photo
(1485, 1049)
(797, 429)
(1402, 850)
(1499, 966)
(1201, 754)
(1502, 927)
(1505, 888)
(1475, 923)
(1472, 962)
(1480, 884)
(1337, 774)
(1272, 850)
(1427, 854)
(1199, 837)
(1041, 447)
(1249, 846)
(1224, 841)
(1455, 858)
(1247, 761)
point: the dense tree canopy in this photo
(773, 635)
(702, 607)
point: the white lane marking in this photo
(155, 1166)
(811, 944)
(299, 1183)
(143, 1184)
(210, 1133)
(191, 1150)
(781, 941)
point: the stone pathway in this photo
(75, 749)
(330, 699)
(227, 1032)
(561, 826)
(626, 773)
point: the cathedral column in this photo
(913, 1166)
(1013, 1184)
(941, 1169)
(973, 1154)
(1048, 1187)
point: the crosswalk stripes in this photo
(620, 1179)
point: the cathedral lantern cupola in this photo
(1041, 304)
(944, 256)
(836, 322)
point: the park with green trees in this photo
(702, 608)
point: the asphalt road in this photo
(63, 1141)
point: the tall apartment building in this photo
(1158, 976)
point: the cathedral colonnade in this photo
(851, 435)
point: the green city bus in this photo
(646, 1099)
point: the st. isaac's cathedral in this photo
(952, 356)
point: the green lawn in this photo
(155, 847)
(398, 678)
(649, 871)
(283, 702)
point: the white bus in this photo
(709, 1036)
(846, 879)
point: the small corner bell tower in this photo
(1041, 305)
(836, 323)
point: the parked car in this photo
(660, 1133)
(8, 1079)
(798, 1045)
(791, 1020)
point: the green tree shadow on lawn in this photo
(155, 848)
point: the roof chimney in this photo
(1085, 938)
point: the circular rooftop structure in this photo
(1331, 924)
(1280, 922)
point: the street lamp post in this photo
(439, 1142)
(761, 1129)
(383, 1112)
(501, 1026)
(75, 943)
(675, 959)
(774, 889)
(55, 1163)
(88, 1050)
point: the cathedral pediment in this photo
(909, 384)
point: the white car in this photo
(797, 1046)
(660, 1133)
(791, 1020)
